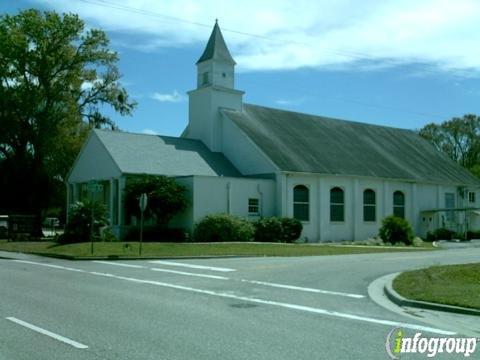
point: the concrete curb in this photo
(114, 257)
(121, 257)
(399, 300)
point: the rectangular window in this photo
(449, 204)
(83, 192)
(471, 197)
(369, 205)
(253, 206)
(369, 213)
(399, 211)
(300, 212)
(337, 205)
(399, 204)
(301, 205)
(337, 212)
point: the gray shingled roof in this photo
(306, 143)
(216, 48)
(163, 155)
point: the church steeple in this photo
(215, 90)
(216, 48)
(216, 66)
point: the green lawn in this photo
(452, 285)
(130, 249)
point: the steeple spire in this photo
(216, 48)
(215, 90)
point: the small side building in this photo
(214, 185)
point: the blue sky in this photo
(401, 64)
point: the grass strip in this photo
(130, 249)
(457, 285)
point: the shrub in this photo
(166, 197)
(156, 234)
(430, 237)
(107, 235)
(223, 227)
(471, 234)
(441, 234)
(80, 220)
(444, 234)
(277, 229)
(395, 229)
(269, 230)
(292, 229)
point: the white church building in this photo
(340, 178)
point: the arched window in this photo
(369, 205)
(301, 203)
(399, 204)
(337, 204)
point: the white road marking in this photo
(52, 266)
(263, 301)
(174, 263)
(283, 286)
(291, 287)
(119, 264)
(283, 305)
(163, 270)
(191, 274)
(48, 333)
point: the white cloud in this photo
(149, 132)
(304, 33)
(173, 97)
(290, 102)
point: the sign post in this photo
(143, 205)
(93, 188)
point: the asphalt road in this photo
(242, 308)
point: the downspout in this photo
(286, 195)
(229, 198)
(259, 190)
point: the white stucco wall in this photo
(211, 195)
(218, 73)
(204, 118)
(418, 197)
(93, 162)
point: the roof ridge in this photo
(122, 132)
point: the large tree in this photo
(55, 79)
(458, 138)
